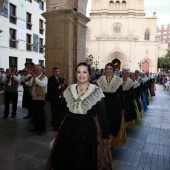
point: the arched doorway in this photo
(118, 59)
(116, 62)
(145, 66)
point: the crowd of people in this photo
(35, 86)
(164, 79)
(89, 118)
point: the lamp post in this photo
(96, 63)
(90, 58)
(140, 64)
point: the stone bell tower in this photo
(65, 36)
(117, 6)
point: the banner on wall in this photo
(35, 42)
(4, 8)
(21, 10)
(21, 30)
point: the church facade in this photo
(120, 33)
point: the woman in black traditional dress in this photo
(82, 137)
(131, 117)
(112, 87)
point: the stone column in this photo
(65, 41)
(65, 44)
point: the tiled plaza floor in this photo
(147, 146)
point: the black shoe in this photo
(41, 133)
(26, 117)
(4, 116)
(34, 130)
(13, 116)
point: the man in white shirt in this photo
(38, 92)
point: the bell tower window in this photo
(147, 35)
(117, 5)
(111, 5)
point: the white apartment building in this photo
(22, 33)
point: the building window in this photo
(41, 62)
(12, 61)
(41, 30)
(29, 45)
(28, 60)
(41, 5)
(12, 42)
(147, 35)
(117, 5)
(123, 4)
(41, 45)
(111, 5)
(13, 18)
(29, 1)
(29, 25)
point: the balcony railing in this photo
(41, 50)
(13, 19)
(13, 43)
(41, 30)
(29, 47)
(29, 26)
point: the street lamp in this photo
(140, 64)
(96, 63)
(90, 58)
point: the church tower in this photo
(118, 7)
(120, 32)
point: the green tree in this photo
(164, 62)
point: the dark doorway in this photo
(116, 62)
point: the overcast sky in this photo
(162, 8)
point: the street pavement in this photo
(147, 146)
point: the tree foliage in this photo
(164, 62)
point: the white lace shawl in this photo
(135, 84)
(111, 87)
(81, 104)
(128, 85)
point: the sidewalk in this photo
(147, 146)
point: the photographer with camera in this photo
(12, 81)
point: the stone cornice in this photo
(67, 13)
(117, 37)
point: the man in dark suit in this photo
(55, 89)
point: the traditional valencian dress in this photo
(82, 141)
(143, 95)
(114, 105)
(137, 103)
(130, 110)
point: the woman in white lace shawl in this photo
(112, 88)
(82, 140)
